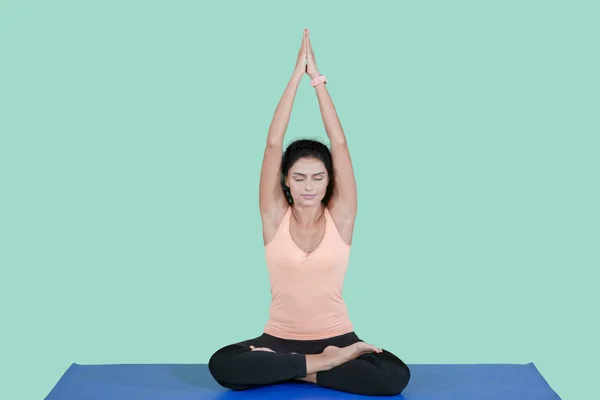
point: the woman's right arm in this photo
(272, 201)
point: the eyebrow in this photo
(298, 173)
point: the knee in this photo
(219, 366)
(394, 380)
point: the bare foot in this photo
(340, 355)
(312, 378)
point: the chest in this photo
(308, 239)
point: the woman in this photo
(308, 220)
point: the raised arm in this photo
(272, 201)
(343, 202)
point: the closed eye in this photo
(298, 177)
(316, 179)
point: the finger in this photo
(309, 47)
(306, 39)
(302, 44)
(264, 349)
(306, 51)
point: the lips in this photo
(309, 196)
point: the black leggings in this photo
(237, 367)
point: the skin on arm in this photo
(343, 202)
(272, 201)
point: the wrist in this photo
(297, 74)
(314, 75)
(318, 80)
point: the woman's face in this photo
(307, 180)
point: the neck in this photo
(307, 216)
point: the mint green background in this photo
(130, 150)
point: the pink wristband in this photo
(318, 80)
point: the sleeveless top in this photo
(306, 288)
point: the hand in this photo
(311, 65)
(300, 68)
(261, 349)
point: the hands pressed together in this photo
(306, 58)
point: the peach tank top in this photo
(306, 288)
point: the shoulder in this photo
(272, 221)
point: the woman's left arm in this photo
(343, 201)
(344, 197)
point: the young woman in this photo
(308, 207)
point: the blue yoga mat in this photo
(194, 382)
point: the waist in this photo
(274, 329)
(308, 319)
(345, 332)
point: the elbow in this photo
(339, 142)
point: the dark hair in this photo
(306, 148)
